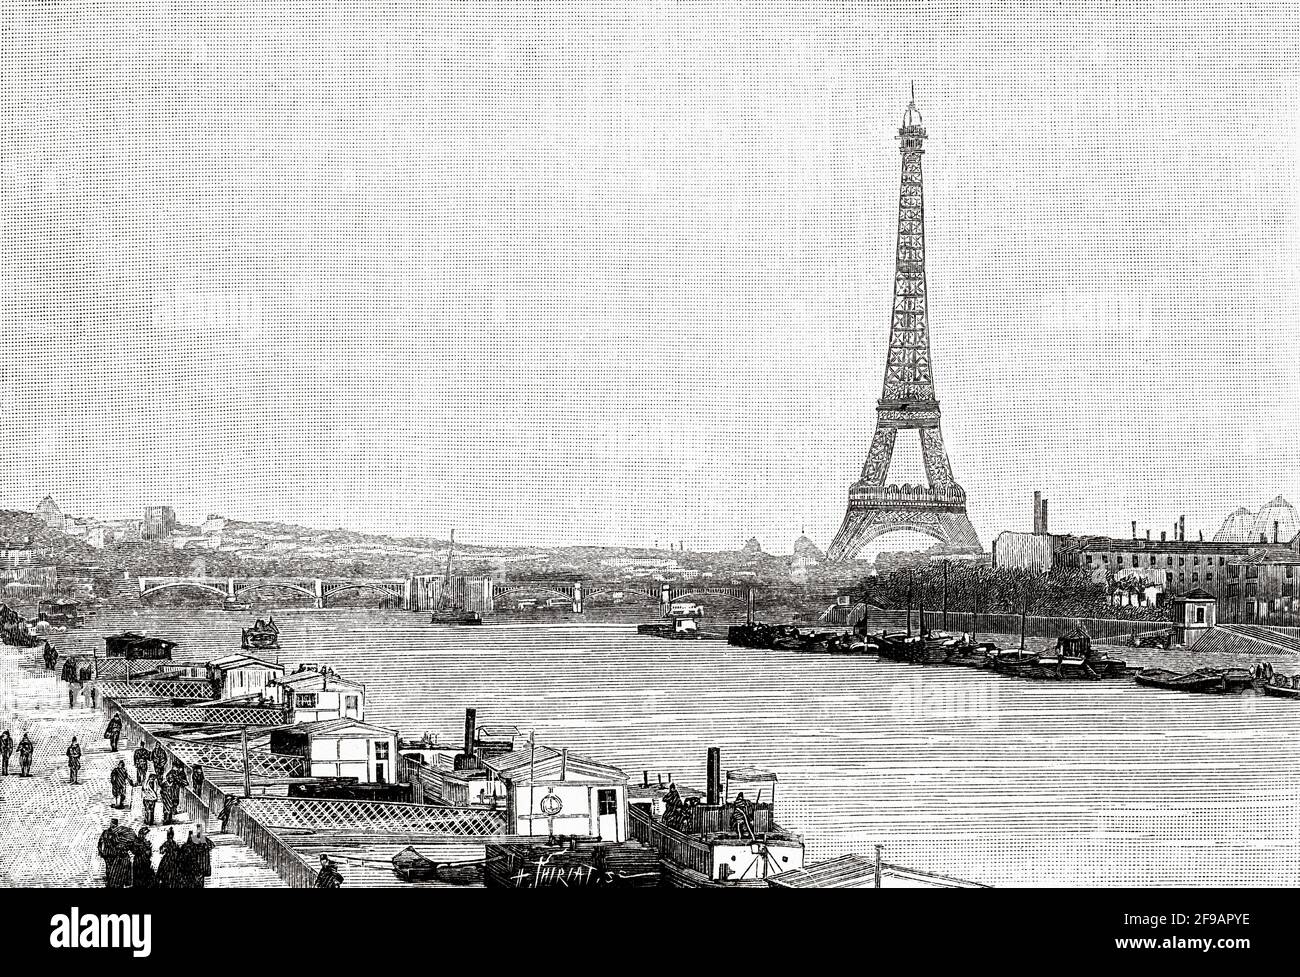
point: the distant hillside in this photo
(23, 528)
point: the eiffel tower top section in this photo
(908, 398)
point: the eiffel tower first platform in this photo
(908, 402)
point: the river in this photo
(994, 779)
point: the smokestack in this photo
(1148, 534)
(1274, 532)
(1038, 513)
(1182, 529)
(715, 776)
(1162, 537)
(1135, 529)
(645, 778)
(1043, 516)
(564, 761)
(469, 732)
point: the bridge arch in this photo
(395, 590)
(190, 584)
(276, 585)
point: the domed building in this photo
(1236, 528)
(806, 556)
(1276, 522)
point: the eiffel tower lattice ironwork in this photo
(908, 402)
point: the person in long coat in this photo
(201, 855)
(169, 869)
(119, 780)
(197, 778)
(328, 877)
(189, 863)
(25, 750)
(116, 856)
(142, 861)
(113, 732)
(141, 760)
(6, 751)
(149, 800)
(171, 799)
(159, 757)
(74, 761)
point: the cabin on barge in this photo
(727, 841)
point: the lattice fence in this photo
(156, 690)
(326, 815)
(260, 762)
(231, 715)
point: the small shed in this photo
(341, 748)
(316, 695)
(1193, 614)
(243, 675)
(555, 792)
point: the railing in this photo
(261, 763)
(286, 862)
(427, 784)
(379, 816)
(716, 819)
(156, 690)
(670, 843)
(216, 715)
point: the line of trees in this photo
(1065, 591)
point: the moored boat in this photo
(1164, 678)
(410, 866)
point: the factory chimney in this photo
(1148, 534)
(1038, 513)
(470, 716)
(1043, 516)
(1274, 532)
(1135, 529)
(714, 790)
(1182, 529)
(1162, 537)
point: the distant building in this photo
(1275, 523)
(1193, 614)
(752, 547)
(48, 512)
(99, 536)
(159, 522)
(1261, 589)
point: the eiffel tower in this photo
(908, 402)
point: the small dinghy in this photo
(1163, 678)
(411, 866)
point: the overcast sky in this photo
(618, 272)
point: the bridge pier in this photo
(230, 589)
(318, 589)
(577, 597)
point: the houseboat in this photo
(61, 612)
(677, 627)
(262, 636)
(725, 838)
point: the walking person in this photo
(141, 760)
(116, 855)
(188, 860)
(227, 811)
(170, 795)
(202, 856)
(6, 751)
(169, 863)
(119, 780)
(159, 757)
(149, 800)
(197, 780)
(74, 761)
(25, 750)
(74, 690)
(113, 732)
(142, 861)
(328, 877)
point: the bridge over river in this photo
(483, 594)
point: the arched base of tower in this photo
(952, 528)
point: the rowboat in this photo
(1163, 678)
(1234, 679)
(1281, 691)
(410, 866)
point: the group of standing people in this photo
(128, 859)
(25, 749)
